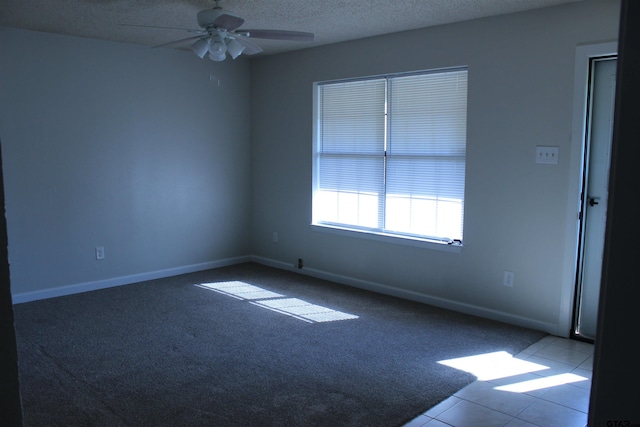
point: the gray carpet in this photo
(167, 353)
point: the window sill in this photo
(407, 241)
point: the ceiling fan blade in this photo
(279, 35)
(228, 22)
(250, 48)
(178, 41)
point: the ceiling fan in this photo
(219, 35)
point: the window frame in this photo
(378, 234)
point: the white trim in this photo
(395, 239)
(581, 81)
(123, 280)
(337, 278)
(414, 296)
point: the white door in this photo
(594, 194)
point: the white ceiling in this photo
(331, 21)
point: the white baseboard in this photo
(337, 278)
(415, 296)
(124, 280)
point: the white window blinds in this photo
(390, 154)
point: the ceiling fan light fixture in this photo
(217, 46)
(234, 48)
(217, 56)
(201, 47)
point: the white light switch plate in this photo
(547, 155)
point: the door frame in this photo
(583, 56)
(585, 191)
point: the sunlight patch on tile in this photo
(491, 366)
(279, 303)
(240, 290)
(303, 310)
(540, 383)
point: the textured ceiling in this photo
(331, 21)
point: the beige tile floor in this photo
(546, 385)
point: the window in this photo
(389, 155)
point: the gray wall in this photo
(521, 94)
(138, 151)
(120, 146)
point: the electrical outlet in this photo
(507, 279)
(300, 263)
(99, 252)
(274, 237)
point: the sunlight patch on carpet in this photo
(303, 310)
(240, 290)
(279, 303)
